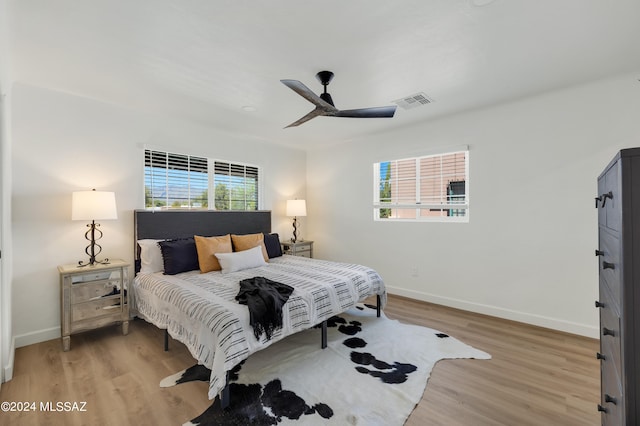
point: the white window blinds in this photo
(433, 187)
(175, 181)
(236, 186)
(178, 181)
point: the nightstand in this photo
(299, 248)
(92, 297)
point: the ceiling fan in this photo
(324, 103)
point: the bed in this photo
(200, 310)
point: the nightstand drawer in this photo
(78, 279)
(94, 291)
(96, 308)
(303, 253)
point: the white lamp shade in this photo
(296, 208)
(93, 205)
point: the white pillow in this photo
(239, 260)
(150, 256)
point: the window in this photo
(236, 186)
(177, 181)
(428, 188)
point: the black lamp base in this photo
(295, 230)
(91, 248)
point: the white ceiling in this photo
(205, 59)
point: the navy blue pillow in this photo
(272, 244)
(179, 255)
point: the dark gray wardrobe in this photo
(618, 253)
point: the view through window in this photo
(428, 188)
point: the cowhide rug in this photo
(373, 372)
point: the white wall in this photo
(63, 143)
(527, 252)
(6, 337)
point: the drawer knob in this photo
(599, 253)
(604, 197)
(599, 304)
(600, 356)
(607, 265)
(610, 399)
(608, 332)
(602, 409)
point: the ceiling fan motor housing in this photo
(327, 98)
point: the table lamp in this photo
(296, 208)
(93, 205)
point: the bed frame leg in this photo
(225, 395)
(166, 340)
(378, 305)
(324, 334)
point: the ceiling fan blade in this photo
(306, 93)
(375, 112)
(316, 112)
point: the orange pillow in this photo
(249, 241)
(207, 247)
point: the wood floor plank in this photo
(536, 376)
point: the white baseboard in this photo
(538, 320)
(37, 337)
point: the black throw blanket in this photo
(265, 299)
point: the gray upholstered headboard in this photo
(169, 224)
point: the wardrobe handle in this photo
(605, 196)
(608, 332)
(608, 265)
(602, 409)
(599, 304)
(598, 199)
(599, 252)
(600, 356)
(609, 398)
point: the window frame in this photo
(418, 205)
(210, 182)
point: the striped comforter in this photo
(200, 309)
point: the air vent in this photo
(413, 101)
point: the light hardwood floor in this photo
(535, 377)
